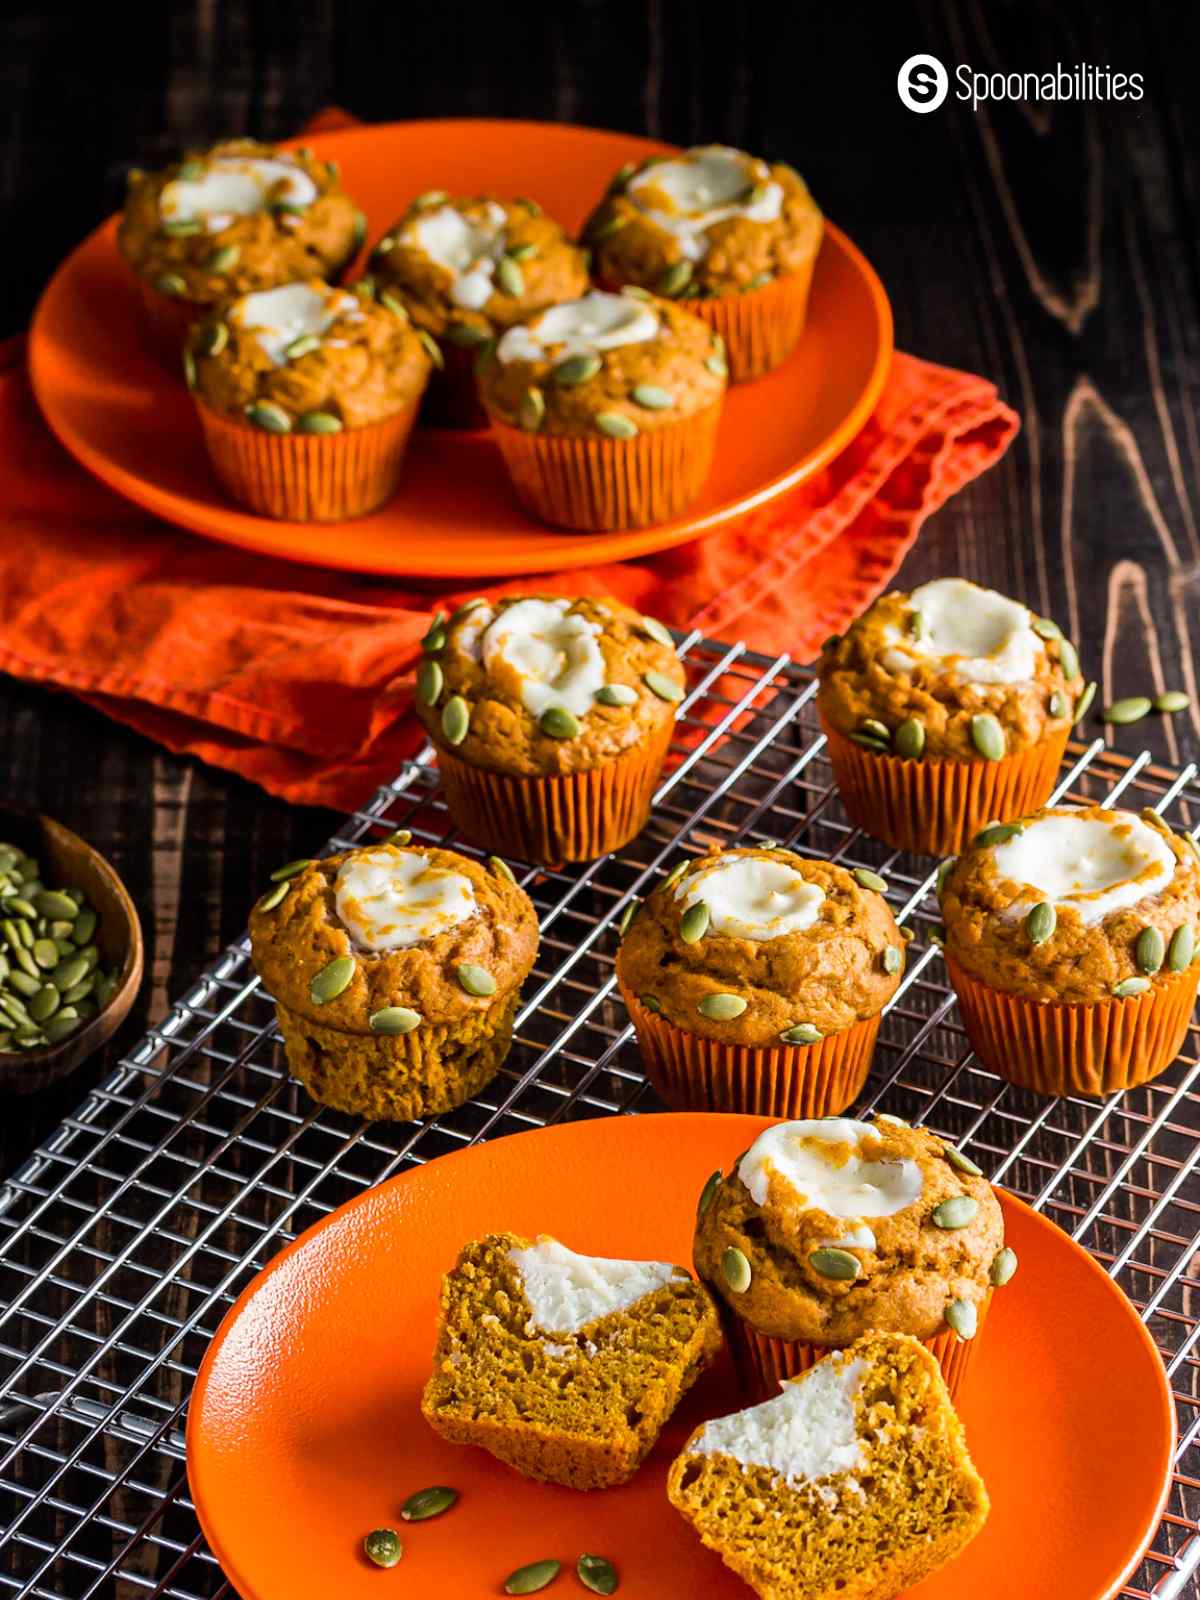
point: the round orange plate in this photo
(130, 423)
(304, 1430)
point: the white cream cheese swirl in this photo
(1093, 865)
(809, 1156)
(594, 323)
(566, 1291)
(466, 247)
(552, 651)
(391, 900)
(974, 633)
(706, 185)
(752, 898)
(235, 186)
(278, 317)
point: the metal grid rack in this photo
(127, 1236)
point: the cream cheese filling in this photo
(971, 632)
(1093, 865)
(750, 898)
(828, 1165)
(278, 317)
(390, 900)
(234, 186)
(706, 185)
(466, 247)
(587, 326)
(553, 652)
(566, 1291)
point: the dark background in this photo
(1052, 247)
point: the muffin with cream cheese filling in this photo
(225, 221)
(467, 269)
(396, 973)
(1071, 940)
(307, 396)
(828, 1229)
(945, 709)
(606, 409)
(733, 238)
(552, 719)
(756, 978)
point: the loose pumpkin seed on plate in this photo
(532, 1577)
(427, 1503)
(383, 1547)
(597, 1573)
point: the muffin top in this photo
(1076, 903)
(536, 685)
(968, 673)
(851, 1227)
(414, 932)
(307, 358)
(237, 217)
(468, 267)
(752, 946)
(707, 222)
(610, 364)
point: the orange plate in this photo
(305, 1419)
(114, 407)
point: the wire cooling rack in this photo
(127, 1236)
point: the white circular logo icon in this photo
(922, 83)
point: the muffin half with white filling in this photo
(396, 973)
(1072, 939)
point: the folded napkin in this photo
(301, 680)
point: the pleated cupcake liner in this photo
(936, 807)
(592, 482)
(1097, 1047)
(694, 1073)
(452, 398)
(574, 816)
(308, 477)
(760, 327)
(168, 321)
(762, 1362)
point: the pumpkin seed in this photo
(906, 933)
(502, 869)
(722, 1007)
(987, 736)
(621, 177)
(475, 980)
(13, 1008)
(60, 1027)
(434, 638)
(399, 837)
(693, 924)
(604, 227)
(456, 719)
(1171, 701)
(1041, 922)
(510, 277)
(831, 1262)
(597, 1574)
(997, 833)
(1059, 704)
(909, 739)
(214, 336)
(1150, 950)
(962, 1316)
(396, 306)
(943, 872)
(1084, 704)
(85, 926)
(70, 971)
(615, 425)
(616, 694)
(877, 730)
(303, 346)
(21, 904)
(1181, 948)
(916, 623)
(1132, 709)
(273, 897)
(1046, 628)
(891, 960)
(651, 397)
(394, 1020)
(868, 741)
(717, 365)
(1130, 986)
(431, 348)
(364, 289)
(1068, 657)
(1003, 1267)
(334, 977)
(431, 197)
(45, 953)
(802, 1033)
(430, 679)
(962, 1162)
(522, 252)
(323, 422)
(665, 688)
(532, 1577)
(25, 986)
(634, 291)
(189, 368)
(870, 880)
(673, 280)
(558, 723)
(651, 1002)
(736, 1269)
(383, 1547)
(956, 1212)
(428, 1503)
(224, 259)
(170, 283)
(467, 335)
(707, 1194)
(626, 917)
(575, 370)
(267, 415)
(291, 869)
(45, 1003)
(531, 412)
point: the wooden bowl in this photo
(68, 861)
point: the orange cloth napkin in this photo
(301, 680)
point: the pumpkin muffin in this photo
(606, 409)
(396, 972)
(552, 719)
(945, 709)
(826, 1230)
(228, 220)
(755, 979)
(307, 396)
(1071, 940)
(566, 1367)
(732, 238)
(854, 1483)
(467, 269)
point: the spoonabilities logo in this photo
(922, 83)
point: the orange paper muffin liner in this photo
(761, 327)
(935, 807)
(575, 816)
(763, 1362)
(694, 1073)
(1097, 1048)
(168, 323)
(452, 398)
(594, 483)
(308, 477)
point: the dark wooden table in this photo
(1053, 248)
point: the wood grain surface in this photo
(1053, 248)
